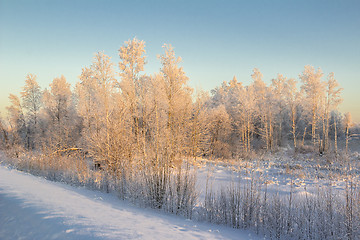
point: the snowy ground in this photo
(34, 208)
(281, 173)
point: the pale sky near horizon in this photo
(216, 39)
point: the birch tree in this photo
(199, 125)
(87, 101)
(241, 105)
(332, 101)
(95, 91)
(219, 95)
(158, 163)
(17, 122)
(293, 100)
(233, 106)
(4, 135)
(348, 124)
(178, 101)
(278, 108)
(131, 65)
(31, 99)
(265, 119)
(314, 89)
(219, 130)
(58, 105)
(248, 114)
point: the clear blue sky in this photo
(216, 39)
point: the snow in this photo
(305, 173)
(34, 208)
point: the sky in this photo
(215, 39)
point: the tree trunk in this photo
(303, 140)
(335, 137)
(347, 140)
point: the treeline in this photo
(120, 113)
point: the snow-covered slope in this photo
(34, 208)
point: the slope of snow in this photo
(34, 208)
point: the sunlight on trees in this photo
(138, 116)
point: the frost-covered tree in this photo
(332, 101)
(157, 122)
(248, 115)
(199, 125)
(96, 107)
(219, 95)
(86, 100)
(262, 93)
(178, 102)
(4, 135)
(278, 106)
(314, 89)
(131, 65)
(233, 105)
(293, 101)
(17, 123)
(31, 97)
(241, 105)
(272, 116)
(59, 108)
(219, 130)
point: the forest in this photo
(144, 136)
(162, 115)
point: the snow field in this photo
(34, 208)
